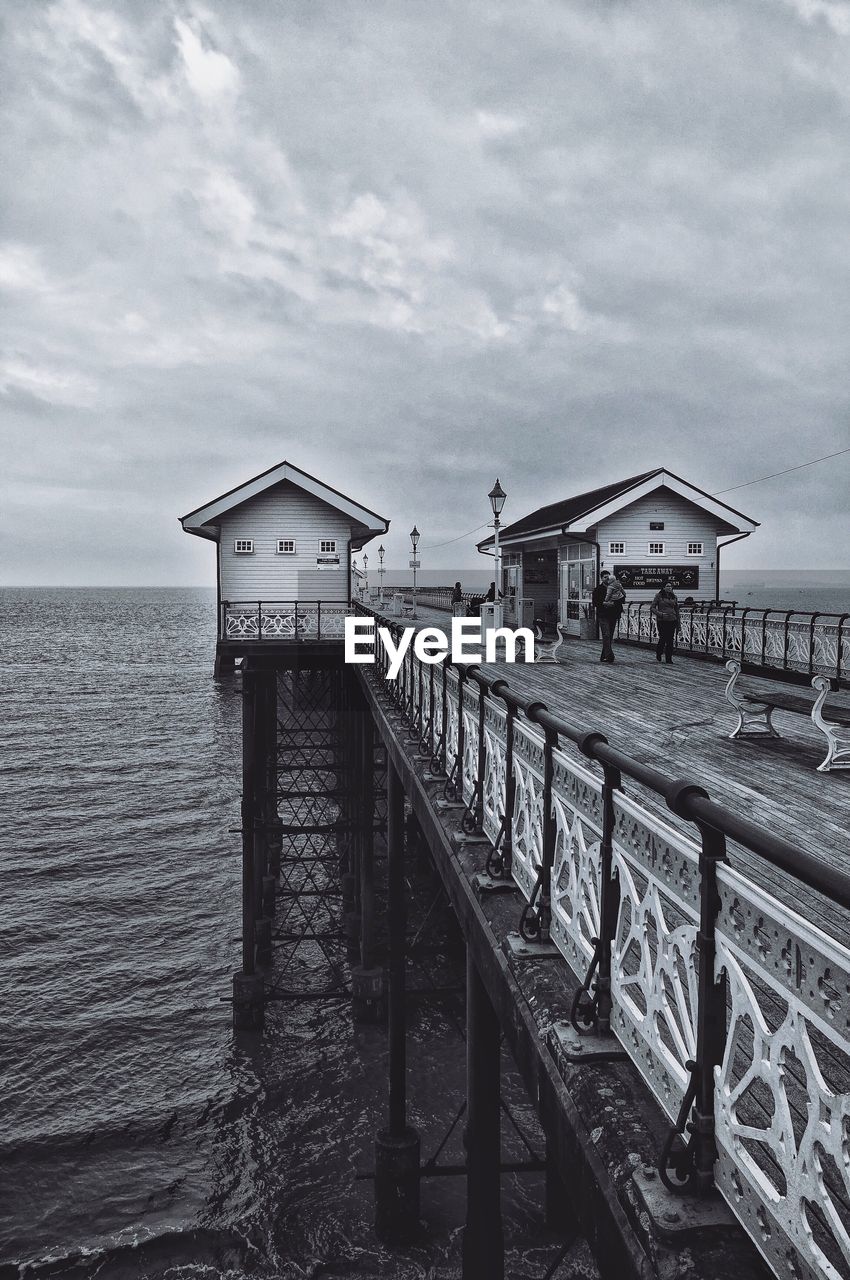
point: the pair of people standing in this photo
(609, 599)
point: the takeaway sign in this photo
(650, 577)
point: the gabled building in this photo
(283, 556)
(644, 528)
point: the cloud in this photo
(414, 247)
(211, 74)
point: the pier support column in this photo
(248, 1001)
(397, 1146)
(558, 1214)
(264, 806)
(367, 978)
(483, 1241)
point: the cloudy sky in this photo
(410, 246)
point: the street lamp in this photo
(414, 564)
(365, 576)
(497, 498)
(381, 575)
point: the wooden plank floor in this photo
(677, 719)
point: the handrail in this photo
(806, 642)
(621, 875)
(261, 621)
(678, 793)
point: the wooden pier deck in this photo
(676, 718)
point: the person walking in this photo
(665, 610)
(608, 598)
(457, 594)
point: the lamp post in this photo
(497, 498)
(381, 575)
(414, 564)
(365, 576)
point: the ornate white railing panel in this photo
(493, 795)
(577, 807)
(782, 1100)
(528, 808)
(415, 676)
(782, 1092)
(653, 957)
(286, 621)
(451, 721)
(804, 644)
(469, 764)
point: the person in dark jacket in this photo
(665, 611)
(457, 594)
(608, 598)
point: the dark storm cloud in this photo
(410, 247)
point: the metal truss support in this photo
(397, 1147)
(687, 1164)
(483, 1239)
(591, 1009)
(248, 1002)
(368, 980)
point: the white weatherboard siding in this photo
(684, 522)
(284, 511)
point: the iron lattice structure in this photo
(311, 780)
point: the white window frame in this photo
(243, 546)
(616, 548)
(652, 548)
(285, 547)
(699, 548)
(327, 547)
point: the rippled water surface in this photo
(137, 1138)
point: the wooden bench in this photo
(755, 710)
(545, 650)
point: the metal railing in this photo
(441, 598)
(733, 1006)
(282, 620)
(780, 639)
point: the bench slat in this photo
(787, 702)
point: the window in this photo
(656, 526)
(694, 548)
(243, 546)
(286, 546)
(656, 548)
(616, 548)
(327, 546)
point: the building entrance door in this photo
(510, 592)
(578, 575)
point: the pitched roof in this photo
(557, 515)
(203, 521)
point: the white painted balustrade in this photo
(781, 1091)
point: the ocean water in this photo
(138, 1138)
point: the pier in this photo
(654, 916)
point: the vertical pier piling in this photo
(483, 1240)
(397, 1146)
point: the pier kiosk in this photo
(645, 528)
(284, 541)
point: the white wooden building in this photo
(644, 528)
(283, 539)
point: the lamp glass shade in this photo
(414, 536)
(497, 497)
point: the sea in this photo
(806, 591)
(139, 1138)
